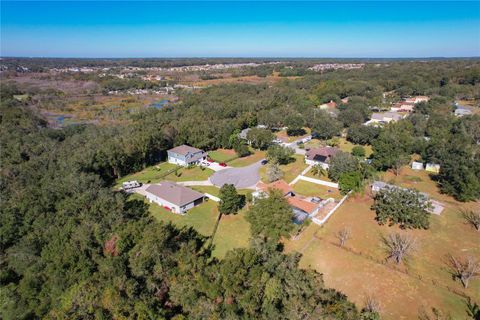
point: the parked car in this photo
(263, 162)
(210, 160)
(223, 164)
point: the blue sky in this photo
(240, 29)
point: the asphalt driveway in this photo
(245, 177)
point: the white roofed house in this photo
(461, 111)
(185, 155)
(384, 117)
(173, 197)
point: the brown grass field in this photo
(423, 282)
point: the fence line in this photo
(320, 222)
(418, 277)
(317, 181)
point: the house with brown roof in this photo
(321, 156)
(403, 107)
(186, 155)
(173, 197)
(302, 208)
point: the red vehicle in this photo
(167, 208)
(210, 160)
(223, 164)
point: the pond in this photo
(160, 104)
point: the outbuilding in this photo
(417, 165)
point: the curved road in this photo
(245, 177)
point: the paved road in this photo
(245, 177)
(294, 145)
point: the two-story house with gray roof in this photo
(185, 155)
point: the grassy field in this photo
(216, 191)
(290, 171)
(311, 175)
(190, 174)
(423, 282)
(248, 160)
(310, 189)
(156, 173)
(233, 231)
(150, 174)
(222, 155)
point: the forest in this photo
(72, 248)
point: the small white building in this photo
(417, 165)
(173, 197)
(432, 167)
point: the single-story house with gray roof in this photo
(173, 197)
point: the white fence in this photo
(318, 181)
(212, 197)
(320, 222)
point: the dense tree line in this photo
(71, 248)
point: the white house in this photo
(185, 155)
(384, 117)
(173, 197)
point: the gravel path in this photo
(245, 177)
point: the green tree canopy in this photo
(271, 217)
(230, 200)
(405, 207)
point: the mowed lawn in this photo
(324, 178)
(290, 171)
(401, 295)
(157, 173)
(150, 174)
(216, 191)
(195, 173)
(248, 160)
(222, 155)
(233, 231)
(310, 189)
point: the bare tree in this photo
(464, 269)
(371, 304)
(343, 235)
(399, 246)
(473, 218)
(274, 172)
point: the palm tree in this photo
(319, 171)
